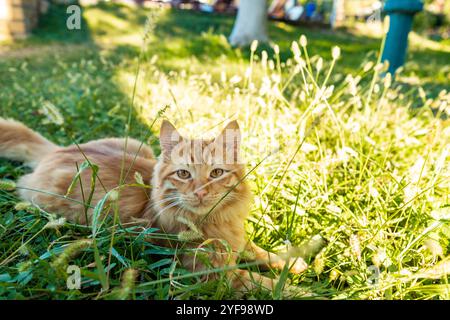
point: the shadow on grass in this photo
(74, 75)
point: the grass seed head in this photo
(303, 41)
(276, 49)
(7, 185)
(254, 45)
(296, 50)
(70, 252)
(336, 52)
(23, 205)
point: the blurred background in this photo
(92, 46)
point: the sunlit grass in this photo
(368, 177)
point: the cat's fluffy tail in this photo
(20, 143)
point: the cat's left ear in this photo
(169, 138)
(229, 140)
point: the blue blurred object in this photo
(206, 8)
(310, 8)
(401, 14)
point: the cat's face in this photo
(198, 175)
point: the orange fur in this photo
(214, 196)
(20, 143)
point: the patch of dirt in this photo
(18, 52)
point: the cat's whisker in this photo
(158, 211)
(157, 202)
(179, 211)
(164, 209)
(165, 200)
(174, 204)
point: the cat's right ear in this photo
(168, 139)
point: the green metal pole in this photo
(401, 14)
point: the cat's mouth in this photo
(200, 207)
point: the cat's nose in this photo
(201, 193)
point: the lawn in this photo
(334, 150)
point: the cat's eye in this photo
(216, 173)
(183, 174)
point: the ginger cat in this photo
(201, 181)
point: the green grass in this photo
(368, 174)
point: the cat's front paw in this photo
(298, 266)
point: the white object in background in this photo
(295, 13)
(337, 13)
(4, 10)
(250, 24)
